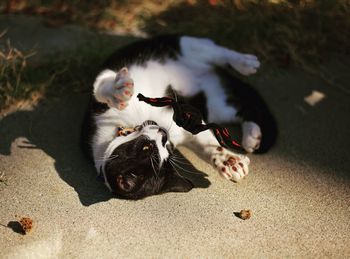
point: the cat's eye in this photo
(138, 128)
(147, 147)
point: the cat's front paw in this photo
(229, 165)
(246, 64)
(123, 89)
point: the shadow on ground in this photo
(55, 128)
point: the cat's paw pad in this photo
(229, 165)
(251, 136)
(123, 89)
(246, 64)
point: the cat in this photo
(137, 163)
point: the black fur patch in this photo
(251, 107)
(132, 175)
(89, 126)
(138, 53)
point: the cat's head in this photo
(137, 165)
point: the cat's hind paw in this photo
(251, 136)
(246, 64)
(229, 165)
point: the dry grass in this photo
(22, 85)
(303, 33)
(13, 66)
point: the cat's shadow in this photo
(54, 127)
(184, 167)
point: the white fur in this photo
(103, 85)
(204, 52)
(188, 75)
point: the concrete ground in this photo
(298, 192)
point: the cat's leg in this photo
(204, 52)
(245, 106)
(228, 164)
(251, 131)
(221, 112)
(115, 89)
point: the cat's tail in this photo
(252, 107)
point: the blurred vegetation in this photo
(69, 72)
(13, 65)
(303, 33)
(293, 32)
(281, 30)
(121, 16)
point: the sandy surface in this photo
(299, 192)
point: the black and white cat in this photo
(196, 70)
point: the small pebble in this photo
(244, 214)
(27, 224)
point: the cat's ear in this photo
(127, 182)
(175, 183)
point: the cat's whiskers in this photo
(183, 161)
(106, 159)
(153, 161)
(156, 159)
(176, 166)
(154, 170)
(177, 172)
(174, 163)
(179, 157)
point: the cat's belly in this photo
(154, 78)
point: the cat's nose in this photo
(162, 131)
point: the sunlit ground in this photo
(298, 192)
